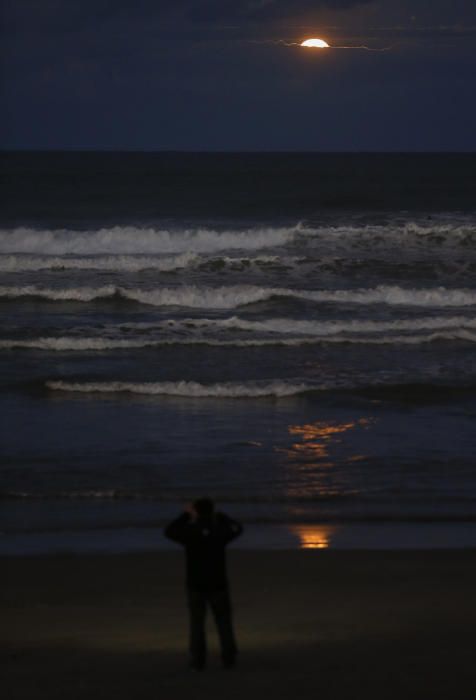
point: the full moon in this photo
(315, 44)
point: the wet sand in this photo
(310, 624)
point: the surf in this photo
(190, 389)
(234, 296)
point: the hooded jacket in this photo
(204, 541)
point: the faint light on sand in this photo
(313, 536)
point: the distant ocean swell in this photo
(240, 295)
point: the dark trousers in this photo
(219, 602)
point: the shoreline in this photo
(265, 537)
(321, 623)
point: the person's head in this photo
(204, 508)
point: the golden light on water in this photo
(320, 430)
(315, 44)
(313, 536)
(315, 457)
(316, 439)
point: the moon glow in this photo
(315, 44)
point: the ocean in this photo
(291, 334)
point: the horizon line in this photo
(238, 151)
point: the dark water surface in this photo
(293, 334)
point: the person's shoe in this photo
(197, 665)
(229, 663)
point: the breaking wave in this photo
(107, 263)
(256, 389)
(308, 327)
(240, 295)
(65, 343)
(84, 294)
(130, 240)
(420, 233)
(129, 263)
(135, 240)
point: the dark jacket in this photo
(204, 542)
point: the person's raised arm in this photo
(231, 528)
(178, 529)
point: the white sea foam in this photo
(84, 294)
(276, 388)
(65, 343)
(130, 240)
(135, 240)
(130, 263)
(416, 339)
(229, 297)
(398, 232)
(108, 263)
(393, 295)
(305, 327)
(75, 344)
(68, 343)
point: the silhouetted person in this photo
(205, 534)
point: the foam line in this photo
(240, 295)
(129, 263)
(72, 344)
(188, 389)
(130, 240)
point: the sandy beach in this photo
(310, 624)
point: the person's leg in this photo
(197, 605)
(221, 607)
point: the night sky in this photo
(218, 75)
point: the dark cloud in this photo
(262, 10)
(47, 15)
(42, 18)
